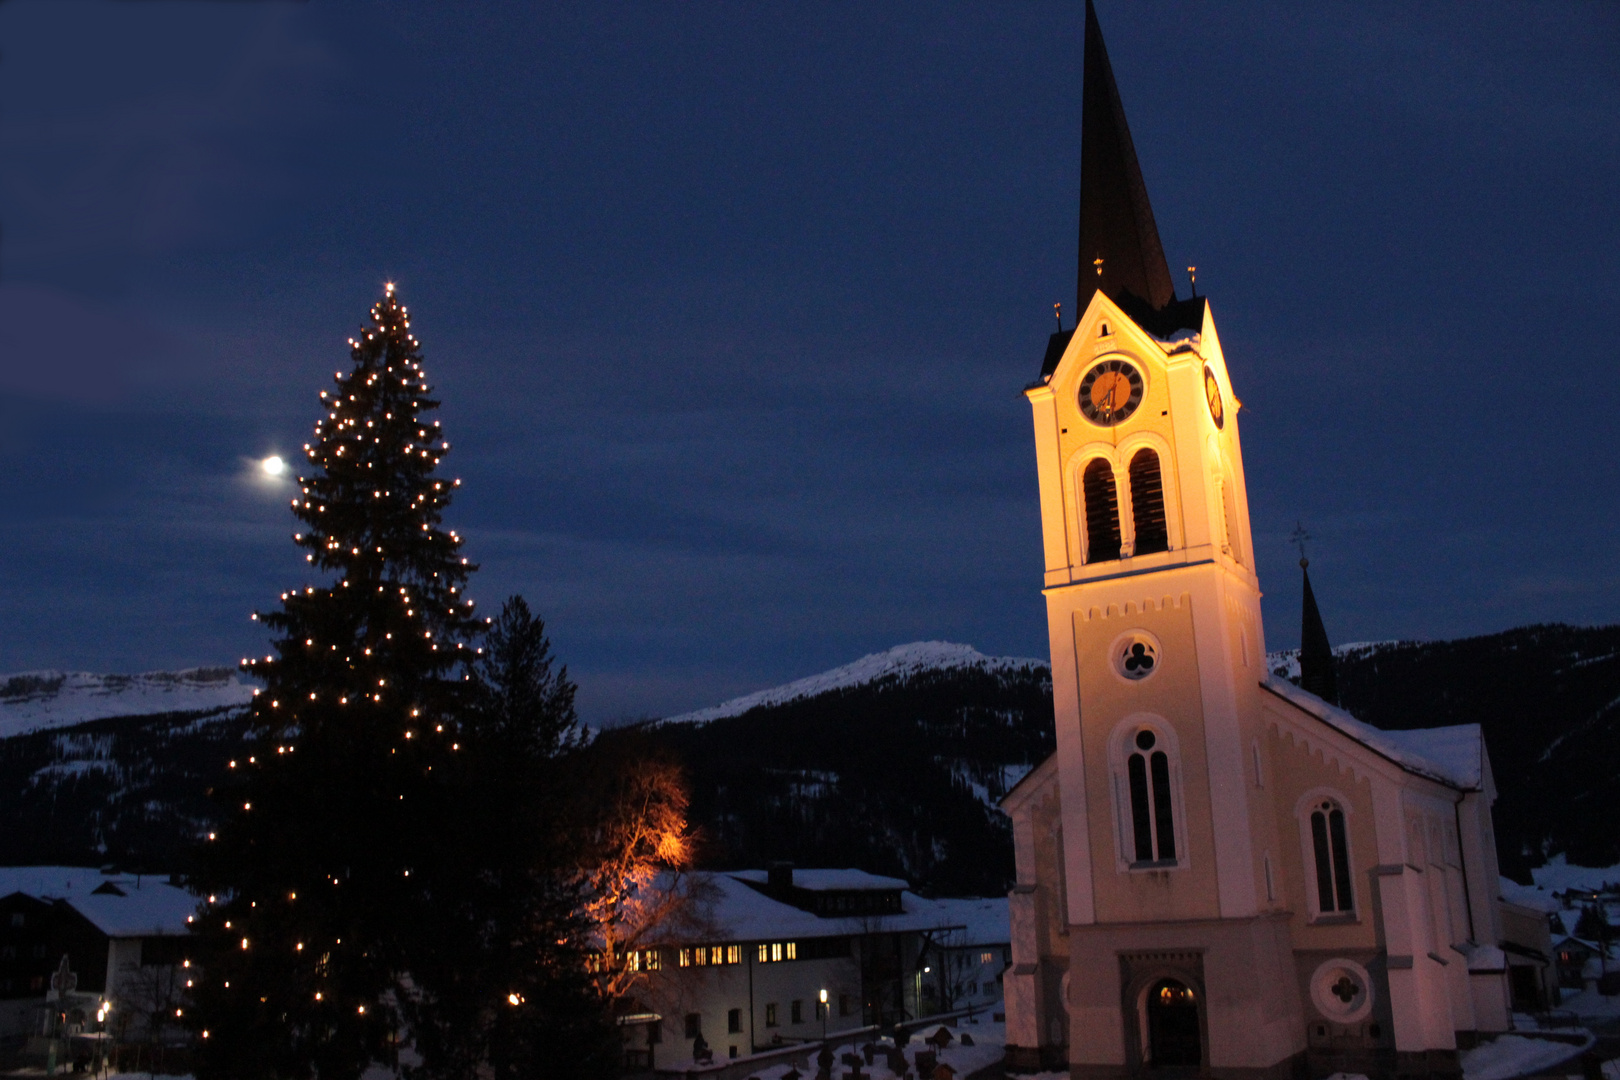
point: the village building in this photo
(1217, 870)
(112, 943)
(781, 956)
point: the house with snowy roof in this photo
(123, 936)
(776, 957)
(1217, 870)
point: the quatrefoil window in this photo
(1345, 989)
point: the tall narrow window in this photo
(1332, 856)
(1102, 512)
(1153, 826)
(1147, 504)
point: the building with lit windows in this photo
(773, 941)
(1219, 871)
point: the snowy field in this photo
(35, 700)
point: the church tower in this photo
(1218, 870)
(1153, 613)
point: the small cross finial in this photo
(1057, 313)
(1097, 262)
(1298, 538)
(1192, 272)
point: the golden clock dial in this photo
(1212, 392)
(1110, 392)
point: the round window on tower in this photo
(1136, 656)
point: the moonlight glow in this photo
(273, 466)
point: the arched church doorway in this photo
(1172, 1022)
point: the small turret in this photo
(1315, 654)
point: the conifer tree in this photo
(305, 950)
(502, 985)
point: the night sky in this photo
(730, 307)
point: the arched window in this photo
(1153, 825)
(1147, 504)
(1102, 511)
(1331, 851)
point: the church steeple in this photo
(1116, 220)
(1315, 654)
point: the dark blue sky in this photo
(730, 306)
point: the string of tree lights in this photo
(420, 846)
(333, 811)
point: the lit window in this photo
(764, 953)
(776, 950)
(650, 961)
(987, 958)
(717, 955)
(733, 954)
(702, 956)
(793, 950)
(685, 958)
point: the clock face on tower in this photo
(1110, 392)
(1212, 392)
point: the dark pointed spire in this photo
(1116, 221)
(1315, 654)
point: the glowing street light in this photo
(273, 465)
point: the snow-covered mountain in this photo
(37, 700)
(1285, 662)
(900, 661)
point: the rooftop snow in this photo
(1533, 897)
(901, 660)
(735, 911)
(987, 919)
(35, 700)
(827, 880)
(1452, 755)
(150, 906)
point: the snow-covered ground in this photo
(989, 1044)
(33, 700)
(1508, 1056)
(901, 660)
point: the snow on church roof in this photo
(1452, 755)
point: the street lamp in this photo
(823, 1014)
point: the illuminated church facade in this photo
(1218, 872)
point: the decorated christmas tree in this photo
(304, 948)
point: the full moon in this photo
(273, 466)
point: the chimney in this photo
(780, 876)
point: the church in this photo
(1218, 872)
